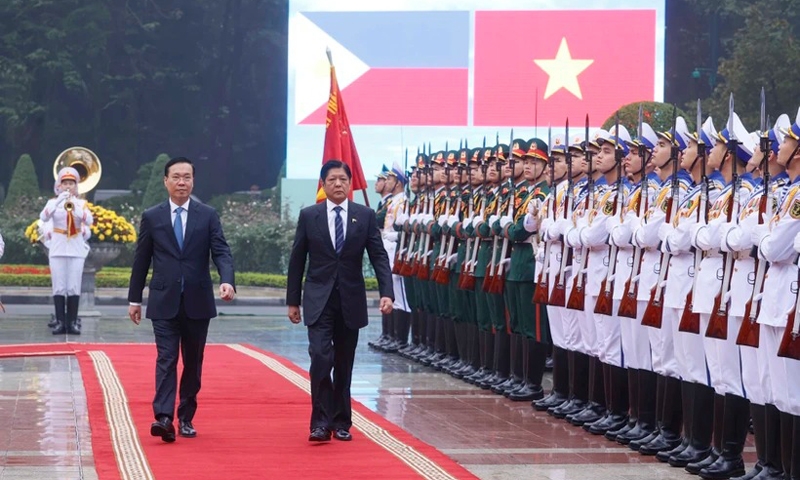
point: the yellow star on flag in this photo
(563, 71)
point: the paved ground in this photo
(492, 436)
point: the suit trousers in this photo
(332, 346)
(173, 336)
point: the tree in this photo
(156, 192)
(24, 186)
(658, 115)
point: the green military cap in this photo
(537, 148)
(519, 148)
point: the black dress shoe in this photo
(186, 429)
(342, 434)
(320, 434)
(163, 428)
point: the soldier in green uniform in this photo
(533, 321)
(494, 300)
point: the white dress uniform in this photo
(558, 330)
(737, 238)
(776, 246)
(635, 336)
(646, 236)
(67, 247)
(396, 206)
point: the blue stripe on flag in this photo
(432, 39)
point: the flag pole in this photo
(330, 61)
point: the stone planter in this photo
(100, 255)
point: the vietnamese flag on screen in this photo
(413, 66)
(581, 61)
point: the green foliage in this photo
(139, 184)
(155, 192)
(24, 186)
(657, 114)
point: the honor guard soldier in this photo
(775, 241)
(675, 184)
(380, 213)
(635, 338)
(67, 227)
(532, 321)
(395, 206)
(747, 290)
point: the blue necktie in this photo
(178, 227)
(339, 229)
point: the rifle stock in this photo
(690, 321)
(655, 307)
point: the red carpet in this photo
(252, 422)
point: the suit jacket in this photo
(157, 243)
(326, 269)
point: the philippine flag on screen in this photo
(394, 68)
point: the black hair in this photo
(330, 165)
(175, 161)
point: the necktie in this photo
(178, 227)
(339, 229)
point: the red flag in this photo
(339, 144)
(581, 61)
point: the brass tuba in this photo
(85, 162)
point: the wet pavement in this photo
(44, 431)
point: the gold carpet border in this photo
(128, 451)
(410, 456)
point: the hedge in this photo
(117, 277)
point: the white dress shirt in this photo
(332, 219)
(184, 213)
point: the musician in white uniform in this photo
(66, 227)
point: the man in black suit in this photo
(178, 236)
(333, 235)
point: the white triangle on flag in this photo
(307, 44)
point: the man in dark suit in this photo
(178, 236)
(333, 235)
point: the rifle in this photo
(718, 324)
(499, 278)
(488, 280)
(401, 245)
(559, 293)
(690, 321)
(423, 272)
(790, 345)
(577, 296)
(540, 292)
(441, 258)
(469, 277)
(465, 283)
(444, 271)
(655, 308)
(605, 299)
(408, 268)
(750, 330)
(628, 305)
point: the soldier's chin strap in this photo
(794, 152)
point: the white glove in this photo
(544, 226)
(389, 236)
(85, 231)
(531, 223)
(796, 244)
(400, 219)
(504, 262)
(63, 196)
(452, 259)
(443, 220)
(540, 256)
(758, 233)
(451, 222)
(664, 231)
(427, 218)
(505, 220)
(533, 208)
(620, 236)
(493, 219)
(559, 227)
(724, 230)
(476, 222)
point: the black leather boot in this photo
(795, 458)
(534, 357)
(617, 400)
(669, 435)
(60, 324)
(514, 366)
(716, 449)
(658, 407)
(736, 422)
(502, 357)
(596, 406)
(767, 440)
(633, 401)
(560, 392)
(481, 352)
(646, 408)
(702, 428)
(578, 387)
(73, 322)
(473, 360)
(687, 404)
(788, 422)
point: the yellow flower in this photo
(101, 237)
(116, 237)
